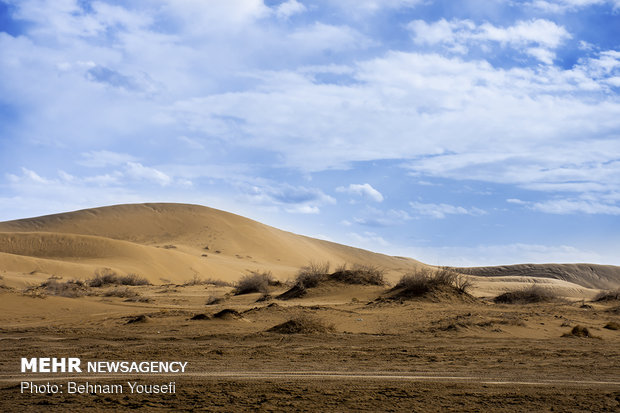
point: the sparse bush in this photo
(254, 282)
(312, 274)
(426, 280)
(579, 331)
(608, 296)
(121, 292)
(359, 274)
(533, 294)
(303, 324)
(70, 289)
(197, 280)
(109, 277)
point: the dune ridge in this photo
(168, 242)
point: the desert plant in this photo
(312, 274)
(71, 289)
(109, 277)
(579, 331)
(121, 292)
(359, 274)
(254, 282)
(530, 295)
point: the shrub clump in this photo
(302, 325)
(579, 331)
(109, 277)
(608, 296)
(121, 292)
(424, 281)
(364, 274)
(197, 280)
(255, 282)
(530, 295)
(71, 289)
(312, 274)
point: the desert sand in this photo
(336, 345)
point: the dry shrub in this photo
(608, 296)
(121, 292)
(303, 324)
(255, 282)
(530, 295)
(578, 331)
(365, 274)
(197, 280)
(71, 289)
(313, 274)
(108, 277)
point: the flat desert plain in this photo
(272, 321)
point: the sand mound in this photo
(302, 325)
(228, 314)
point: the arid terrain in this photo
(265, 323)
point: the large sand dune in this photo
(167, 243)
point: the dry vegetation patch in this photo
(530, 295)
(255, 282)
(579, 331)
(314, 274)
(107, 277)
(435, 284)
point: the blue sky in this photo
(475, 132)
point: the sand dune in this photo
(584, 275)
(167, 243)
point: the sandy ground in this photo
(410, 356)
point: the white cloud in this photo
(536, 37)
(365, 190)
(100, 159)
(289, 8)
(574, 206)
(136, 170)
(368, 240)
(440, 211)
(561, 6)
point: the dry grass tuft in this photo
(108, 277)
(530, 295)
(70, 289)
(364, 274)
(122, 292)
(197, 280)
(303, 324)
(255, 282)
(425, 280)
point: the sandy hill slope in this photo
(166, 243)
(585, 275)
